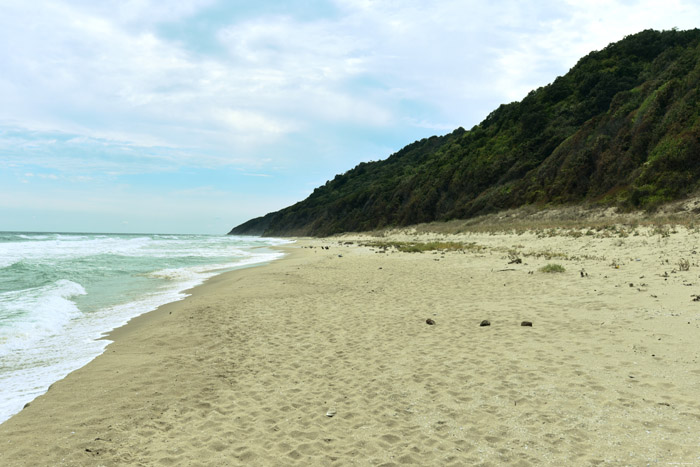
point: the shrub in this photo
(551, 267)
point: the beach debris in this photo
(330, 413)
(485, 323)
(526, 323)
(429, 321)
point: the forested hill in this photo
(622, 127)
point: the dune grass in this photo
(420, 247)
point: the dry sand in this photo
(245, 370)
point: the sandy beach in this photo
(325, 358)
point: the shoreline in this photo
(103, 336)
(247, 369)
(116, 333)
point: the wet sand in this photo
(247, 369)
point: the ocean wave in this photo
(279, 241)
(7, 262)
(46, 248)
(203, 272)
(30, 314)
(33, 237)
(23, 275)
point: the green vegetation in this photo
(552, 268)
(621, 128)
(418, 247)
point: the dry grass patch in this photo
(420, 247)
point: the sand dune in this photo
(246, 370)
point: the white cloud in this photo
(103, 71)
(247, 122)
(87, 74)
(144, 11)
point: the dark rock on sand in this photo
(485, 323)
(526, 323)
(429, 321)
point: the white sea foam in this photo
(6, 262)
(200, 273)
(36, 313)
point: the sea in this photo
(60, 293)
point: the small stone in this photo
(429, 321)
(330, 413)
(485, 323)
(526, 323)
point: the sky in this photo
(192, 116)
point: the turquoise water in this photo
(59, 293)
